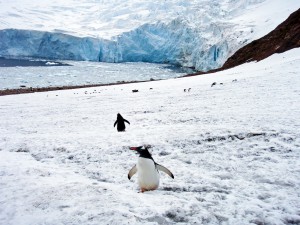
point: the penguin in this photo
(147, 169)
(121, 123)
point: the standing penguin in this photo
(121, 123)
(147, 169)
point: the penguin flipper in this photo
(164, 169)
(132, 172)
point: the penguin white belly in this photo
(148, 176)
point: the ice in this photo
(200, 34)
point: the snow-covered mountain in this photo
(200, 34)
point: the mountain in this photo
(200, 34)
(285, 37)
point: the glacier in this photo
(174, 43)
(28, 43)
(201, 38)
(157, 43)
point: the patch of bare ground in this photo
(44, 89)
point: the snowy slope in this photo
(200, 34)
(233, 148)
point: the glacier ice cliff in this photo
(28, 43)
(175, 43)
(203, 38)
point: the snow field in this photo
(233, 149)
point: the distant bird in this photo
(213, 84)
(147, 169)
(135, 90)
(120, 123)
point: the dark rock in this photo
(284, 37)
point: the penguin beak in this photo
(136, 148)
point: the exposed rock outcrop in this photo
(284, 37)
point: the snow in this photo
(266, 17)
(233, 149)
(200, 34)
(89, 17)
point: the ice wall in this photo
(27, 43)
(194, 41)
(174, 43)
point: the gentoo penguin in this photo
(147, 169)
(121, 123)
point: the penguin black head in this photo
(143, 151)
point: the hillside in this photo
(283, 38)
(233, 149)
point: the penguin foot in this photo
(143, 190)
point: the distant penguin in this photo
(147, 169)
(120, 123)
(213, 84)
